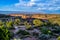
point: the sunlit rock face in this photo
(22, 15)
(39, 16)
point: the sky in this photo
(42, 6)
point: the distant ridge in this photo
(22, 12)
(19, 12)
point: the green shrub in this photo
(27, 25)
(4, 33)
(17, 21)
(37, 22)
(45, 30)
(1, 23)
(58, 38)
(9, 24)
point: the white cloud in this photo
(22, 3)
(49, 8)
(50, 5)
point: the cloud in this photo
(23, 3)
(49, 8)
(40, 4)
(35, 5)
(51, 5)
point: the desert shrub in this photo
(45, 23)
(4, 33)
(55, 21)
(58, 38)
(37, 22)
(51, 21)
(9, 24)
(45, 30)
(1, 23)
(17, 21)
(27, 25)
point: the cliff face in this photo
(39, 16)
(22, 15)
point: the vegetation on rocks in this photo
(27, 25)
(9, 24)
(41, 29)
(58, 38)
(37, 22)
(17, 21)
(4, 33)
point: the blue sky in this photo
(43, 6)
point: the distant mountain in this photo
(22, 12)
(8, 12)
(18, 12)
(4, 16)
